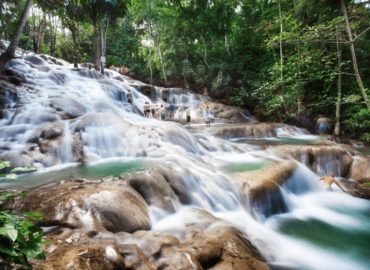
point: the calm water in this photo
(92, 171)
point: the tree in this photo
(10, 51)
(101, 14)
(353, 54)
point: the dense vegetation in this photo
(284, 60)
(20, 238)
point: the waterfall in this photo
(64, 115)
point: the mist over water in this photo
(72, 116)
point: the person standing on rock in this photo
(322, 125)
(171, 109)
(157, 111)
(163, 112)
(152, 109)
(207, 114)
(188, 117)
(146, 109)
(129, 97)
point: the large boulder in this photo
(46, 131)
(229, 114)
(79, 257)
(360, 169)
(257, 130)
(69, 107)
(111, 206)
(322, 159)
(155, 189)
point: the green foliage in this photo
(20, 238)
(7, 172)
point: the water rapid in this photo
(63, 117)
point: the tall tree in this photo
(10, 51)
(353, 55)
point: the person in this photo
(206, 106)
(171, 109)
(207, 114)
(165, 94)
(329, 180)
(322, 125)
(207, 119)
(129, 96)
(146, 109)
(157, 111)
(188, 117)
(152, 109)
(163, 112)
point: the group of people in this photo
(163, 111)
(154, 110)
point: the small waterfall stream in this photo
(67, 116)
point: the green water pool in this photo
(91, 171)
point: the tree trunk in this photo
(10, 51)
(353, 54)
(281, 45)
(339, 86)
(40, 34)
(76, 43)
(150, 66)
(205, 54)
(162, 64)
(97, 47)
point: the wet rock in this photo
(134, 258)
(70, 107)
(35, 60)
(103, 119)
(146, 89)
(154, 188)
(261, 183)
(357, 189)
(253, 130)
(80, 257)
(77, 148)
(90, 73)
(322, 159)
(223, 247)
(227, 113)
(176, 184)
(8, 96)
(17, 159)
(360, 169)
(47, 131)
(35, 116)
(13, 130)
(58, 77)
(111, 206)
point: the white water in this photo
(104, 126)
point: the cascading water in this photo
(65, 115)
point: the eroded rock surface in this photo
(112, 206)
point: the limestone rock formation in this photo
(111, 206)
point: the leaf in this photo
(4, 164)
(34, 215)
(8, 231)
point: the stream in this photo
(75, 123)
